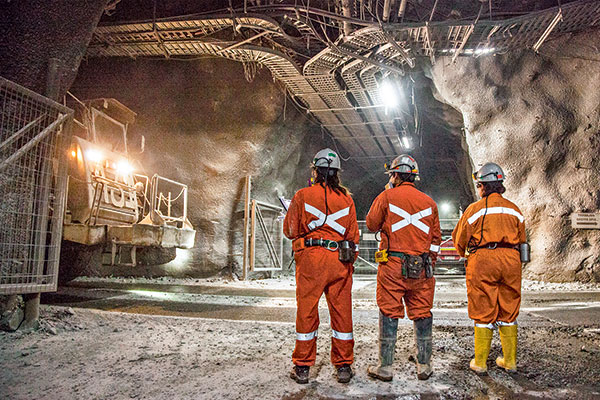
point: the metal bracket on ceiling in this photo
(466, 37)
(557, 18)
(250, 39)
(428, 46)
(403, 53)
(369, 60)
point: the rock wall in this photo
(206, 126)
(35, 31)
(537, 115)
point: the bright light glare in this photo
(388, 94)
(406, 142)
(182, 259)
(446, 207)
(124, 168)
(94, 155)
(484, 50)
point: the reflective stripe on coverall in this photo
(493, 275)
(410, 219)
(318, 271)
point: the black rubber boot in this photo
(423, 341)
(388, 331)
(299, 373)
(344, 373)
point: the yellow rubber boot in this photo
(508, 338)
(483, 342)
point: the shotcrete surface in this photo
(538, 116)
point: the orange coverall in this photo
(493, 275)
(409, 218)
(319, 270)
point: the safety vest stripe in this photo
(330, 219)
(495, 210)
(306, 336)
(410, 219)
(342, 335)
(434, 248)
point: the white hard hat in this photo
(490, 172)
(327, 158)
(403, 164)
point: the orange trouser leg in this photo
(419, 297)
(391, 289)
(494, 285)
(482, 290)
(339, 299)
(509, 290)
(311, 272)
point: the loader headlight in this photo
(124, 167)
(94, 155)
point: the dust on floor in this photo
(83, 354)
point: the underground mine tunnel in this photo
(148, 149)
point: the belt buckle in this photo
(332, 248)
(493, 247)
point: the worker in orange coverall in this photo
(489, 234)
(410, 227)
(321, 221)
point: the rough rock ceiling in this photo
(333, 61)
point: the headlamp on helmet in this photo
(489, 172)
(403, 164)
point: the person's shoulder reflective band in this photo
(331, 218)
(306, 336)
(434, 248)
(414, 219)
(494, 210)
(342, 335)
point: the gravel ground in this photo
(83, 354)
(284, 282)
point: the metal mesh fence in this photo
(34, 135)
(367, 247)
(267, 244)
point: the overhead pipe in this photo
(402, 10)
(386, 10)
(347, 12)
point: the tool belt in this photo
(346, 248)
(495, 245)
(412, 266)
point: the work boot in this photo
(508, 338)
(483, 341)
(299, 373)
(344, 373)
(388, 331)
(423, 340)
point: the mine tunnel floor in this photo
(119, 338)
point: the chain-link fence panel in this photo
(34, 138)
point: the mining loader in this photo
(116, 215)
